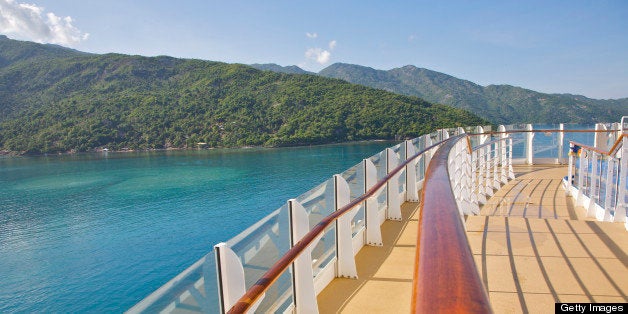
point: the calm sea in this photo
(99, 232)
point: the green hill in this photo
(500, 104)
(57, 100)
(291, 69)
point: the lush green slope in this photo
(291, 69)
(75, 101)
(497, 103)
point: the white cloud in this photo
(319, 55)
(332, 45)
(28, 21)
(311, 35)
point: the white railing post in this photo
(511, 172)
(481, 185)
(594, 177)
(561, 139)
(610, 166)
(469, 183)
(476, 174)
(620, 206)
(303, 291)
(496, 154)
(600, 139)
(504, 157)
(569, 170)
(230, 273)
(529, 145)
(392, 187)
(373, 229)
(428, 154)
(488, 186)
(582, 174)
(344, 237)
(412, 192)
(455, 167)
(483, 138)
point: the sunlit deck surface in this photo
(532, 248)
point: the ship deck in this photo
(531, 245)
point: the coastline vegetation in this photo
(56, 100)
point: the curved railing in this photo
(445, 278)
(597, 179)
(263, 284)
(315, 235)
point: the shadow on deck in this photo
(532, 248)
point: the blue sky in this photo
(578, 47)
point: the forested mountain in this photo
(291, 69)
(54, 99)
(500, 104)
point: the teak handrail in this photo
(445, 276)
(264, 283)
(541, 131)
(611, 151)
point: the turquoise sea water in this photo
(99, 232)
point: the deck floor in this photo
(531, 245)
(384, 283)
(533, 248)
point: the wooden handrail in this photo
(446, 279)
(611, 151)
(264, 283)
(541, 131)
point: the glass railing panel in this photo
(379, 160)
(518, 140)
(419, 144)
(401, 179)
(576, 171)
(401, 152)
(279, 296)
(583, 138)
(355, 178)
(475, 140)
(435, 136)
(325, 250)
(420, 168)
(586, 177)
(470, 129)
(601, 182)
(262, 244)
(382, 201)
(194, 291)
(319, 202)
(359, 220)
(546, 144)
(614, 181)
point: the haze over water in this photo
(99, 232)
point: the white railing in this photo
(217, 281)
(598, 175)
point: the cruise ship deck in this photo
(532, 246)
(496, 226)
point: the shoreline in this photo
(9, 154)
